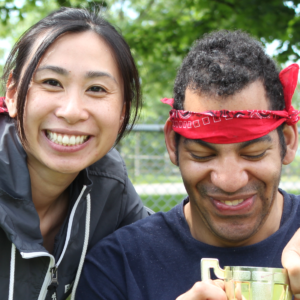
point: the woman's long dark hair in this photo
(71, 20)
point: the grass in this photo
(294, 192)
(150, 178)
(162, 202)
(291, 178)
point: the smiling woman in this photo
(71, 89)
(84, 89)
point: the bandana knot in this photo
(293, 116)
(3, 108)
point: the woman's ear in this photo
(290, 134)
(11, 97)
(122, 116)
(170, 142)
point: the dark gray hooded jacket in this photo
(102, 199)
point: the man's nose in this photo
(230, 175)
(72, 108)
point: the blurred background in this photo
(160, 33)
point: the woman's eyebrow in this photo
(93, 74)
(62, 71)
(55, 69)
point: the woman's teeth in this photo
(66, 140)
(233, 202)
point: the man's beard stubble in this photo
(224, 233)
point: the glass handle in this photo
(211, 263)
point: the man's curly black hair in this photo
(223, 63)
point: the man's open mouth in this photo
(232, 202)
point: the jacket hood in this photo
(18, 216)
(14, 176)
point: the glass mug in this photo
(249, 283)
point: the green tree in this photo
(161, 32)
(164, 30)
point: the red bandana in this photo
(2, 105)
(227, 127)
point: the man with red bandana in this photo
(231, 128)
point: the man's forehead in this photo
(252, 97)
(264, 139)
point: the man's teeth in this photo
(66, 140)
(233, 202)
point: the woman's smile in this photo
(66, 139)
(65, 142)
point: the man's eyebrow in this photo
(93, 74)
(265, 138)
(55, 69)
(200, 142)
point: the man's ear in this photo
(170, 142)
(11, 97)
(290, 134)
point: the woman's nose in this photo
(72, 109)
(230, 175)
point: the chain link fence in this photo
(158, 181)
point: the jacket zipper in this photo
(51, 278)
(54, 283)
(47, 279)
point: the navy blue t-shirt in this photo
(157, 258)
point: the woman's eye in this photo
(52, 82)
(96, 89)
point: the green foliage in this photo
(162, 202)
(161, 32)
(14, 20)
(164, 31)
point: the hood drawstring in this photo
(83, 253)
(12, 272)
(85, 245)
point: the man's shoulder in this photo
(287, 194)
(294, 197)
(159, 220)
(141, 259)
(291, 210)
(291, 199)
(156, 227)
